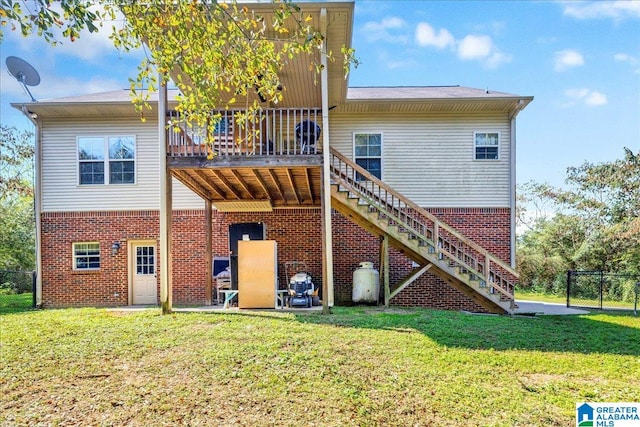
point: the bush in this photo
(621, 289)
(15, 282)
(539, 273)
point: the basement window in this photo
(86, 256)
(487, 145)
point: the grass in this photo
(541, 297)
(15, 302)
(556, 299)
(357, 366)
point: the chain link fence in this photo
(17, 290)
(601, 290)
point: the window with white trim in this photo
(106, 160)
(368, 153)
(486, 145)
(86, 256)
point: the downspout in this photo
(37, 200)
(512, 179)
(327, 247)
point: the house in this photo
(418, 180)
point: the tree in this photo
(218, 52)
(17, 228)
(45, 16)
(594, 224)
(16, 157)
(17, 234)
(607, 196)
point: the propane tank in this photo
(366, 283)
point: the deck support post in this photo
(166, 292)
(327, 241)
(208, 227)
(384, 268)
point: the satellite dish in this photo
(24, 73)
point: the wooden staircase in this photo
(418, 234)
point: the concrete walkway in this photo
(524, 307)
(535, 307)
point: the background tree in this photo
(17, 226)
(16, 162)
(592, 225)
(219, 53)
(46, 17)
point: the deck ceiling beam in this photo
(276, 182)
(192, 184)
(243, 183)
(307, 175)
(209, 184)
(262, 183)
(227, 184)
(293, 185)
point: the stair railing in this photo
(443, 241)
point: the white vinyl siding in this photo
(61, 191)
(429, 157)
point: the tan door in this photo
(257, 273)
(144, 286)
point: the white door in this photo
(144, 274)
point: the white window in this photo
(86, 256)
(368, 153)
(487, 145)
(103, 160)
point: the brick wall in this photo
(109, 286)
(488, 227)
(297, 231)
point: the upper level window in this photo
(104, 160)
(86, 256)
(486, 145)
(368, 153)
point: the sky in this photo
(580, 60)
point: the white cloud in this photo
(629, 59)
(624, 57)
(596, 98)
(427, 36)
(566, 59)
(614, 9)
(394, 62)
(481, 48)
(588, 97)
(388, 29)
(475, 47)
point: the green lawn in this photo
(536, 296)
(357, 366)
(15, 302)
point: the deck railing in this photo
(442, 241)
(273, 132)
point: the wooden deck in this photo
(271, 162)
(282, 181)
